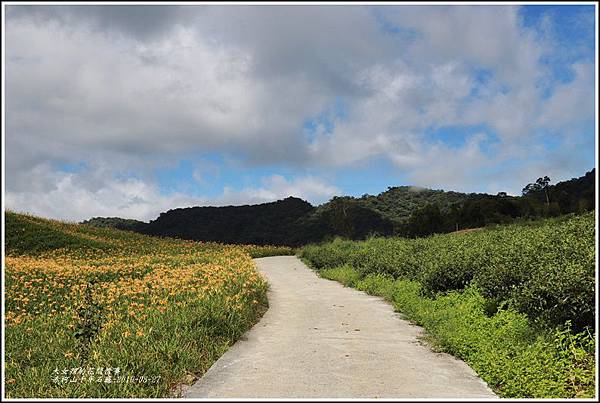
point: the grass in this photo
(84, 303)
(439, 283)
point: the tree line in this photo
(400, 211)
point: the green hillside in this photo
(400, 211)
(29, 235)
(398, 203)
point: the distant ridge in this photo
(266, 223)
(400, 211)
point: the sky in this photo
(129, 111)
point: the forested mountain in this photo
(398, 203)
(401, 211)
(267, 223)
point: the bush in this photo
(330, 254)
(386, 256)
(377, 284)
(513, 357)
(546, 270)
(516, 302)
(344, 274)
(508, 353)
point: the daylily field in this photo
(93, 312)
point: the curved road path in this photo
(321, 340)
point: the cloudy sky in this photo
(132, 110)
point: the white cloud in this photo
(571, 103)
(146, 87)
(68, 200)
(277, 187)
(76, 196)
(458, 168)
(483, 36)
(199, 87)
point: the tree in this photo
(340, 220)
(529, 189)
(541, 184)
(426, 221)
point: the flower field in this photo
(94, 312)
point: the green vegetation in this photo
(116, 222)
(261, 224)
(32, 235)
(398, 203)
(539, 199)
(515, 302)
(400, 211)
(86, 304)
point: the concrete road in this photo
(321, 340)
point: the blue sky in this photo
(130, 111)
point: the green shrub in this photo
(512, 356)
(344, 274)
(448, 265)
(516, 302)
(384, 256)
(330, 254)
(377, 284)
(545, 270)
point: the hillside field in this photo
(99, 312)
(516, 302)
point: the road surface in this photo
(321, 340)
